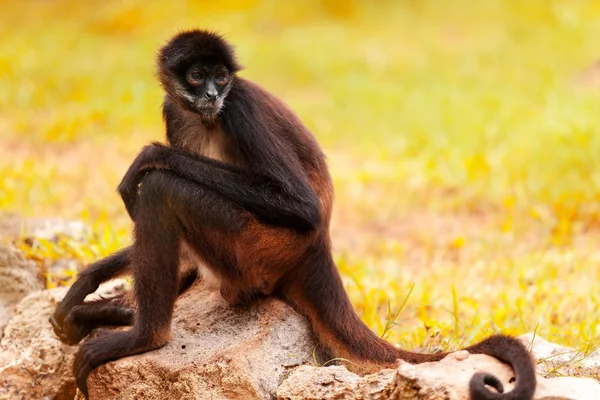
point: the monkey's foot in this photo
(108, 346)
(82, 319)
(71, 330)
(95, 352)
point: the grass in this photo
(462, 138)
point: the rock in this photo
(555, 360)
(444, 380)
(568, 388)
(52, 228)
(32, 231)
(217, 352)
(11, 225)
(335, 382)
(18, 278)
(34, 364)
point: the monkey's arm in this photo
(270, 200)
(88, 281)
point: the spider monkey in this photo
(244, 187)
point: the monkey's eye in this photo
(220, 76)
(194, 77)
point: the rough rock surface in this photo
(445, 380)
(217, 352)
(34, 364)
(18, 278)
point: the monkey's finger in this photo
(56, 326)
(82, 385)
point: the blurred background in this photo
(463, 139)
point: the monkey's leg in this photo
(155, 264)
(169, 210)
(82, 319)
(88, 282)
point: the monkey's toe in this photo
(56, 326)
(82, 366)
(61, 334)
(91, 354)
(106, 345)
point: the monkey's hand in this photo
(147, 160)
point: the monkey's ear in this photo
(170, 59)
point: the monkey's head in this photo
(197, 68)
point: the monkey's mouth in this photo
(209, 108)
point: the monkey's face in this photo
(203, 88)
(197, 68)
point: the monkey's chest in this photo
(215, 145)
(215, 149)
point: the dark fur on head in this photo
(195, 46)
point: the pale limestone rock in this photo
(335, 382)
(34, 364)
(18, 278)
(12, 226)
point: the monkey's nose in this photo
(211, 95)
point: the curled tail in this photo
(510, 351)
(318, 293)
